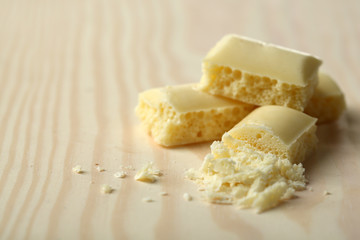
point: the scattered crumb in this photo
(91, 182)
(310, 189)
(147, 199)
(128, 167)
(163, 193)
(120, 174)
(201, 189)
(100, 169)
(148, 173)
(106, 189)
(326, 193)
(157, 172)
(187, 197)
(77, 169)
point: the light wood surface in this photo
(70, 73)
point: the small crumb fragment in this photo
(187, 197)
(157, 172)
(106, 189)
(77, 169)
(100, 169)
(147, 199)
(310, 189)
(163, 194)
(148, 173)
(120, 174)
(326, 193)
(128, 168)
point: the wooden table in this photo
(70, 74)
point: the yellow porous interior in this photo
(265, 141)
(328, 102)
(254, 89)
(169, 127)
(326, 109)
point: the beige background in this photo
(70, 73)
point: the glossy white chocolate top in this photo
(285, 65)
(185, 98)
(285, 123)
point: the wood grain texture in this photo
(70, 74)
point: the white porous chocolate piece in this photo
(282, 131)
(328, 102)
(177, 115)
(259, 73)
(258, 162)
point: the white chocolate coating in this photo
(282, 131)
(185, 98)
(285, 65)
